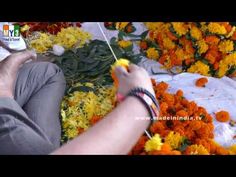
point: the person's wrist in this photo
(140, 107)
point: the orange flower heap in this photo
(196, 47)
(190, 131)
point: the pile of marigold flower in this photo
(191, 133)
(43, 36)
(204, 48)
(82, 109)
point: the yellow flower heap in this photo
(43, 43)
(67, 38)
(80, 107)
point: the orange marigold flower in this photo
(80, 130)
(192, 108)
(143, 45)
(227, 26)
(189, 61)
(179, 93)
(157, 127)
(233, 37)
(208, 119)
(201, 82)
(222, 116)
(168, 98)
(129, 28)
(165, 150)
(163, 107)
(171, 36)
(205, 131)
(162, 86)
(179, 129)
(95, 119)
(185, 102)
(178, 106)
(139, 147)
(166, 147)
(182, 113)
(195, 124)
(216, 66)
(213, 54)
(212, 40)
(221, 151)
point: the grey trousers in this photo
(29, 124)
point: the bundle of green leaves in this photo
(91, 63)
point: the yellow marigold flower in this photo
(121, 62)
(153, 25)
(180, 53)
(42, 43)
(152, 53)
(200, 68)
(72, 37)
(180, 27)
(168, 44)
(226, 46)
(216, 28)
(157, 26)
(153, 144)
(231, 32)
(121, 25)
(197, 150)
(202, 46)
(203, 27)
(174, 139)
(72, 133)
(196, 33)
(232, 149)
(24, 28)
(124, 44)
(226, 63)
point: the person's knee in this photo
(50, 69)
(46, 70)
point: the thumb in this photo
(21, 57)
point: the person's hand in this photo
(136, 77)
(8, 71)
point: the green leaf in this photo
(184, 145)
(121, 35)
(113, 41)
(144, 34)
